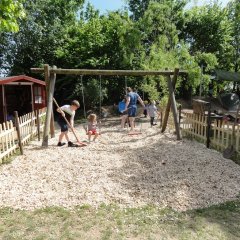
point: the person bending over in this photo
(67, 111)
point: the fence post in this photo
(208, 125)
(18, 131)
(38, 125)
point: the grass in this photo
(112, 222)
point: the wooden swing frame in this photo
(50, 78)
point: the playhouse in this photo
(20, 93)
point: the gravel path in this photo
(122, 169)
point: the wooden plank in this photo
(52, 126)
(168, 107)
(108, 72)
(38, 125)
(18, 131)
(6, 132)
(4, 154)
(47, 75)
(237, 140)
(7, 138)
(26, 121)
(174, 108)
(27, 137)
(49, 109)
(208, 126)
(4, 140)
(1, 141)
(32, 97)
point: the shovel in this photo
(81, 144)
(230, 151)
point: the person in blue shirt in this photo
(131, 105)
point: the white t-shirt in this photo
(152, 110)
(70, 114)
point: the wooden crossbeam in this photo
(109, 72)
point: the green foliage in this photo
(231, 59)
(138, 7)
(159, 34)
(10, 12)
(41, 32)
(208, 30)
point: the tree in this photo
(208, 30)
(41, 32)
(103, 42)
(138, 7)
(232, 61)
(10, 12)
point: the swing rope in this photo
(126, 85)
(100, 102)
(83, 97)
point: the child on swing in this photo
(92, 127)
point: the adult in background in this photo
(131, 105)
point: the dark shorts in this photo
(63, 126)
(132, 111)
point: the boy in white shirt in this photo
(67, 111)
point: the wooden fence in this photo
(30, 126)
(195, 126)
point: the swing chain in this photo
(83, 97)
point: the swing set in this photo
(50, 79)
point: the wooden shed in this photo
(20, 93)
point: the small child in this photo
(92, 127)
(152, 112)
(67, 111)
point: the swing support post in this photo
(168, 107)
(174, 108)
(50, 94)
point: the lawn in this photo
(112, 222)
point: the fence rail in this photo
(28, 125)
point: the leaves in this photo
(154, 35)
(10, 12)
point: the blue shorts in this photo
(63, 125)
(132, 111)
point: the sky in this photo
(105, 5)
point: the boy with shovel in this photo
(68, 112)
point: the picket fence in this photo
(221, 137)
(29, 126)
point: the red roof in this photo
(6, 80)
